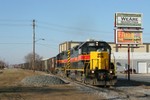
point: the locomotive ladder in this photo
(68, 60)
(86, 69)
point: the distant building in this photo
(139, 57)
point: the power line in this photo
(51, 26)
(48, 25)
(20, 25)
(40, 44)
(15, 43)
(11, 22)
(14, 20)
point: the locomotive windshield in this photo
(87, 47)
(97, 48)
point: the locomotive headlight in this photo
(110, 71)
(92, 71)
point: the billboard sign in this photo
(128, 20)
(128, 37)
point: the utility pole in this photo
(129, 62)
(33, 58)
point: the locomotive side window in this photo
(71, 52)
(84, 50)
(80, 51)
(91, 44)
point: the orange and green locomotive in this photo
(89, 62)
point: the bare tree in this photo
(29, 58)
(3, 64)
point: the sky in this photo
(57, 21)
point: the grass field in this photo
(12, 89)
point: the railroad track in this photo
(110, 93)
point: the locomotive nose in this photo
(99, 60)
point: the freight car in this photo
(89, 62)
(43, 65)
(49, 65)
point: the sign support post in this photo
(128, 62)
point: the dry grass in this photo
(12, 89)
(11, 77)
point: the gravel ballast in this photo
(42, 80)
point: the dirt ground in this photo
(12, 89)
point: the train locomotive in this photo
(89, 62)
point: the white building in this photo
(139, 57)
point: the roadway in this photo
(135, 77)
